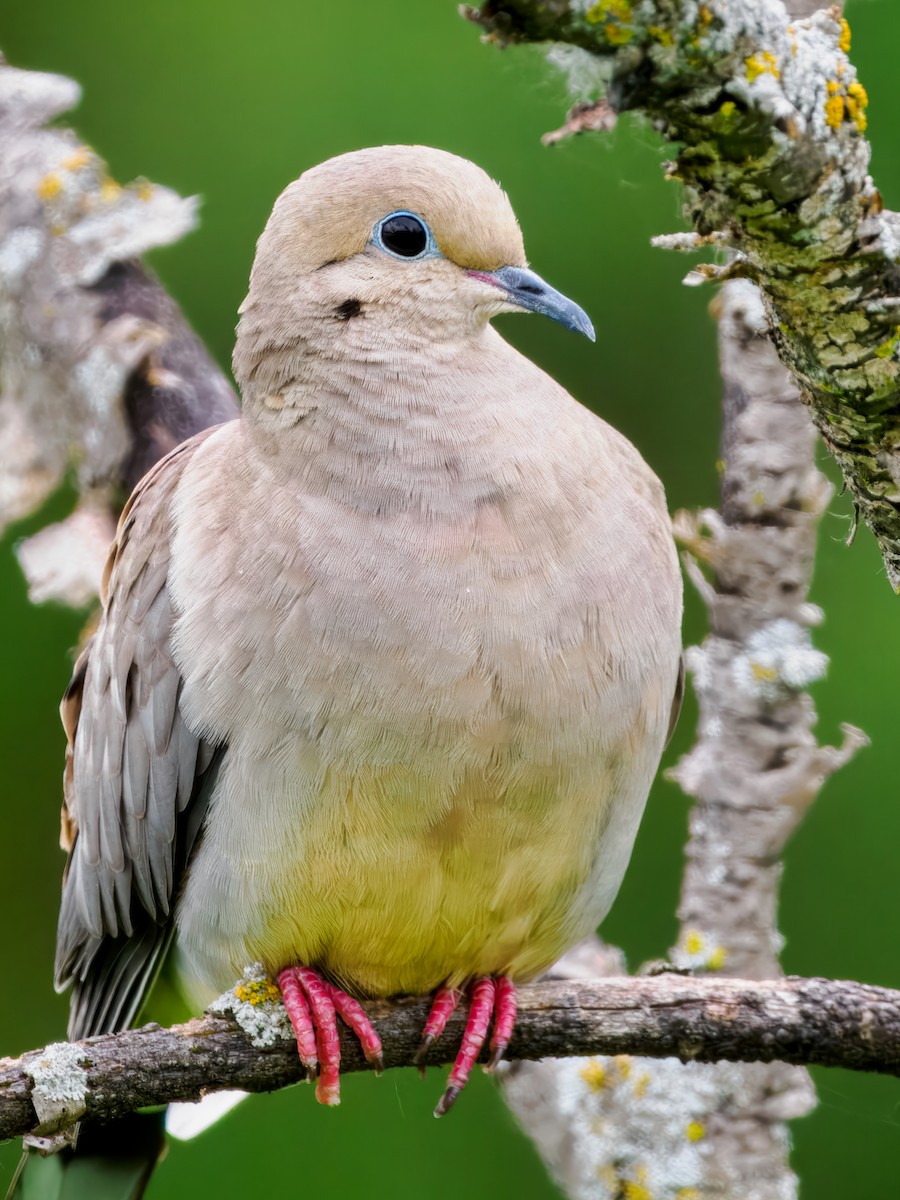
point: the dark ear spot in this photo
(349, 308)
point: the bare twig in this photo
(799, 1020)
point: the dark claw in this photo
(422, 1053)
(378, 1064)
(496, 1058)
(447, 1101)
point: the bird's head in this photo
(374, 253)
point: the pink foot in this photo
(504, 1020)
(442, 1008)
(313, 1006)
(488, 997)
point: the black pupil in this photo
(404, 235)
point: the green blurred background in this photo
(232, 101)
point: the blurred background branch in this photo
(99, 371)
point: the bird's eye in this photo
(403, 234)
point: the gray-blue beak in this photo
(527, 290)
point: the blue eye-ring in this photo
(404, 235)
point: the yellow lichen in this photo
(594, 1075)
(857, 103)
(845, 38)
(257, 991)
(623, 1064)
(665, 37)
(833, 87)
(687, 1193)
(704, 20)
(716, 960)
(641, 1084)
(144, 189)
(110, 190)
(77, 159)
(762, 673)
(834, 111)
(762, 63)
(693, 942)
(49, 186)
(618, 35)
(636, 1189)
(886, 349)
(695, 1131)
(620, 10)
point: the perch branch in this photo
(829, 1022)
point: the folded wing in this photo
(137, 778)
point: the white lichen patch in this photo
(59, 1094)
(697, 951)
(255, 1003)
(779, 657)
(18, 251)
(798, 73)
(63, 561)
(644, 1127)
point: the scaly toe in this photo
(442, 1008)
(504, 1021)
(298, 1011)
(353, 1014)
(481, 1007)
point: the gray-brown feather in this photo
(134, 770)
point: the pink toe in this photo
(504, 1019)
(353, 1013)
(328, 1045)
(300, 1016)
(442, 1008)
(480, 1009)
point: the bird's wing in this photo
(137, 778)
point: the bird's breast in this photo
(434, 727)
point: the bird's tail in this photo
(109, 1162)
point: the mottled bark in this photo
(798, 1020)
(769, 118)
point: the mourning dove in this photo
(386, 666)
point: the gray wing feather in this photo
(137, 777)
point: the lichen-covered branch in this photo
(99, 372)
(769, 118)
(800, 1020)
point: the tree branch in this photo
(829, 1022)
(99, 371)
(769, 117)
